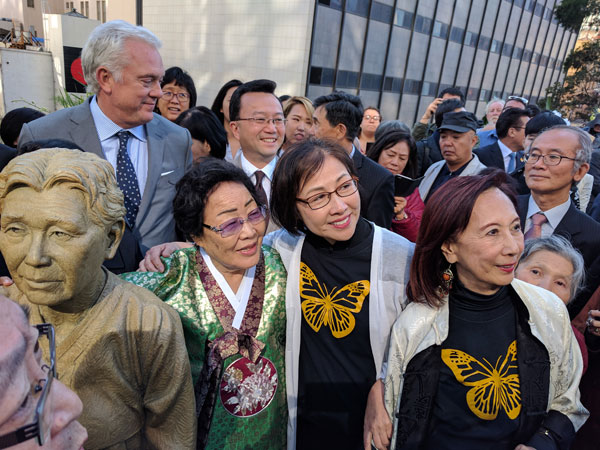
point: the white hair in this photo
(106, 47)
(491, 102)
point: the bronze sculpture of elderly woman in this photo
(118, 346)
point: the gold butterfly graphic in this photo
(334, 309)
(493, 386)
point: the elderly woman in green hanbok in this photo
(230, 293)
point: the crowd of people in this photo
(277, 272)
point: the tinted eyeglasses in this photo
(37, 429)
(322, 199)
(234, 226)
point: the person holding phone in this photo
(397, 152)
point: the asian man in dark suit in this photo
(507, 152)
(558, 158)
(337, 117)
(123, 68)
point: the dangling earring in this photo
(448, 276)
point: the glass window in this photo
(536, 58)
(457, 34)
(517, 53)
(429, 89)
(473, 93)
(527, 55)
(403, 18)
(539, 9)
(412, 87)
(382, 13)
(347, 79)
(484, 95)
(519, 3)
(423, 24)
(387, 84)
(321, 76)
(544, 61)
(484, 43)
(397, 86)
(360, 7)
(370, 82)
(529, 5)
(471, 39)
(335, 4)
(440, 29)
(496, 46)
(547, 13)
(30, 4)
(507, 49)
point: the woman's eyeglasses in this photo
(181, 96)
(322, 199)
(234, 226)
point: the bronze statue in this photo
(118, 346)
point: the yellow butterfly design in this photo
(334, 309)
(493, 386)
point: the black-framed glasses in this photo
(519, 99)
(181, 96)
(36, 429)
(234, 226)
(322, 199)
(262, 121)
(549, 160)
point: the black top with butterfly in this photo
(336, 369)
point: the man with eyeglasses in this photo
(337, 117)
(119, 347)
(558, 158)
(257, 122)
(506, 153)
(123, 68)
(36, 410)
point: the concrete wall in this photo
(25, 75)
(18, 11)
(125, 9)
(217, 40)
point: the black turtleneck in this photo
(335, 372)
(482, 329)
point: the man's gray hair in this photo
(491, 102)
(390, 125)
(583, 154)
(562, 247)
(106, 47)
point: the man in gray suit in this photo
(123, 68)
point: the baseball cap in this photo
(461, 122)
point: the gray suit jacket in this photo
(169, 157)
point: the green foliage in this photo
(67, 100)
(571, 13)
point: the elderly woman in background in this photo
(479, 359)
(552, 263)
(179, 93)
(397, 152)
(220, 107)
(346, 285)
(298, 112)
(229, 291)
(208, 135)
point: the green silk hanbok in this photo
(245, 366)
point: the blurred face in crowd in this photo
(545, 179)
(240, 250)
(395, 157)
(226, 102)
(371, 120)
(548, 270)
(487, 251)
(299, 124)
(514, 104)
(336, 221)
(457, 147)
(130, 101)
(494, 111)
(259, 142)
(174, 101)
(22, 367)
(200, 149)
(52, 248)
(517, 133)
(323, 129)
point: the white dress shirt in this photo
(554, 216)
(137, 145)
(268, 170)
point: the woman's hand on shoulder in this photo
(152, 262)
(378, 426)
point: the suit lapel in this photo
(156, 150)
(569, 226)
(84, 132)
(358, 159)
(522, 205)
(497, 158)
(520, 160)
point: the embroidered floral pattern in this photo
(247, 388)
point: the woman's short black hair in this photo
(13, 121)
(217, 105)
(294, 168)
(194, 188)
(32, 146)
(389, 140)
(204, 126)
(181, 78)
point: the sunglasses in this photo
(234, 226)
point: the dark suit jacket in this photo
(6, 154)
(584, 234)
(169, 156)
(491, 156)
(376, 188)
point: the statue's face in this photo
(51, 246)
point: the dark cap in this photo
(461, 121)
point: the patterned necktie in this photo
(260, 191)
(127, 179)
(511, 162)
(537, 220)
